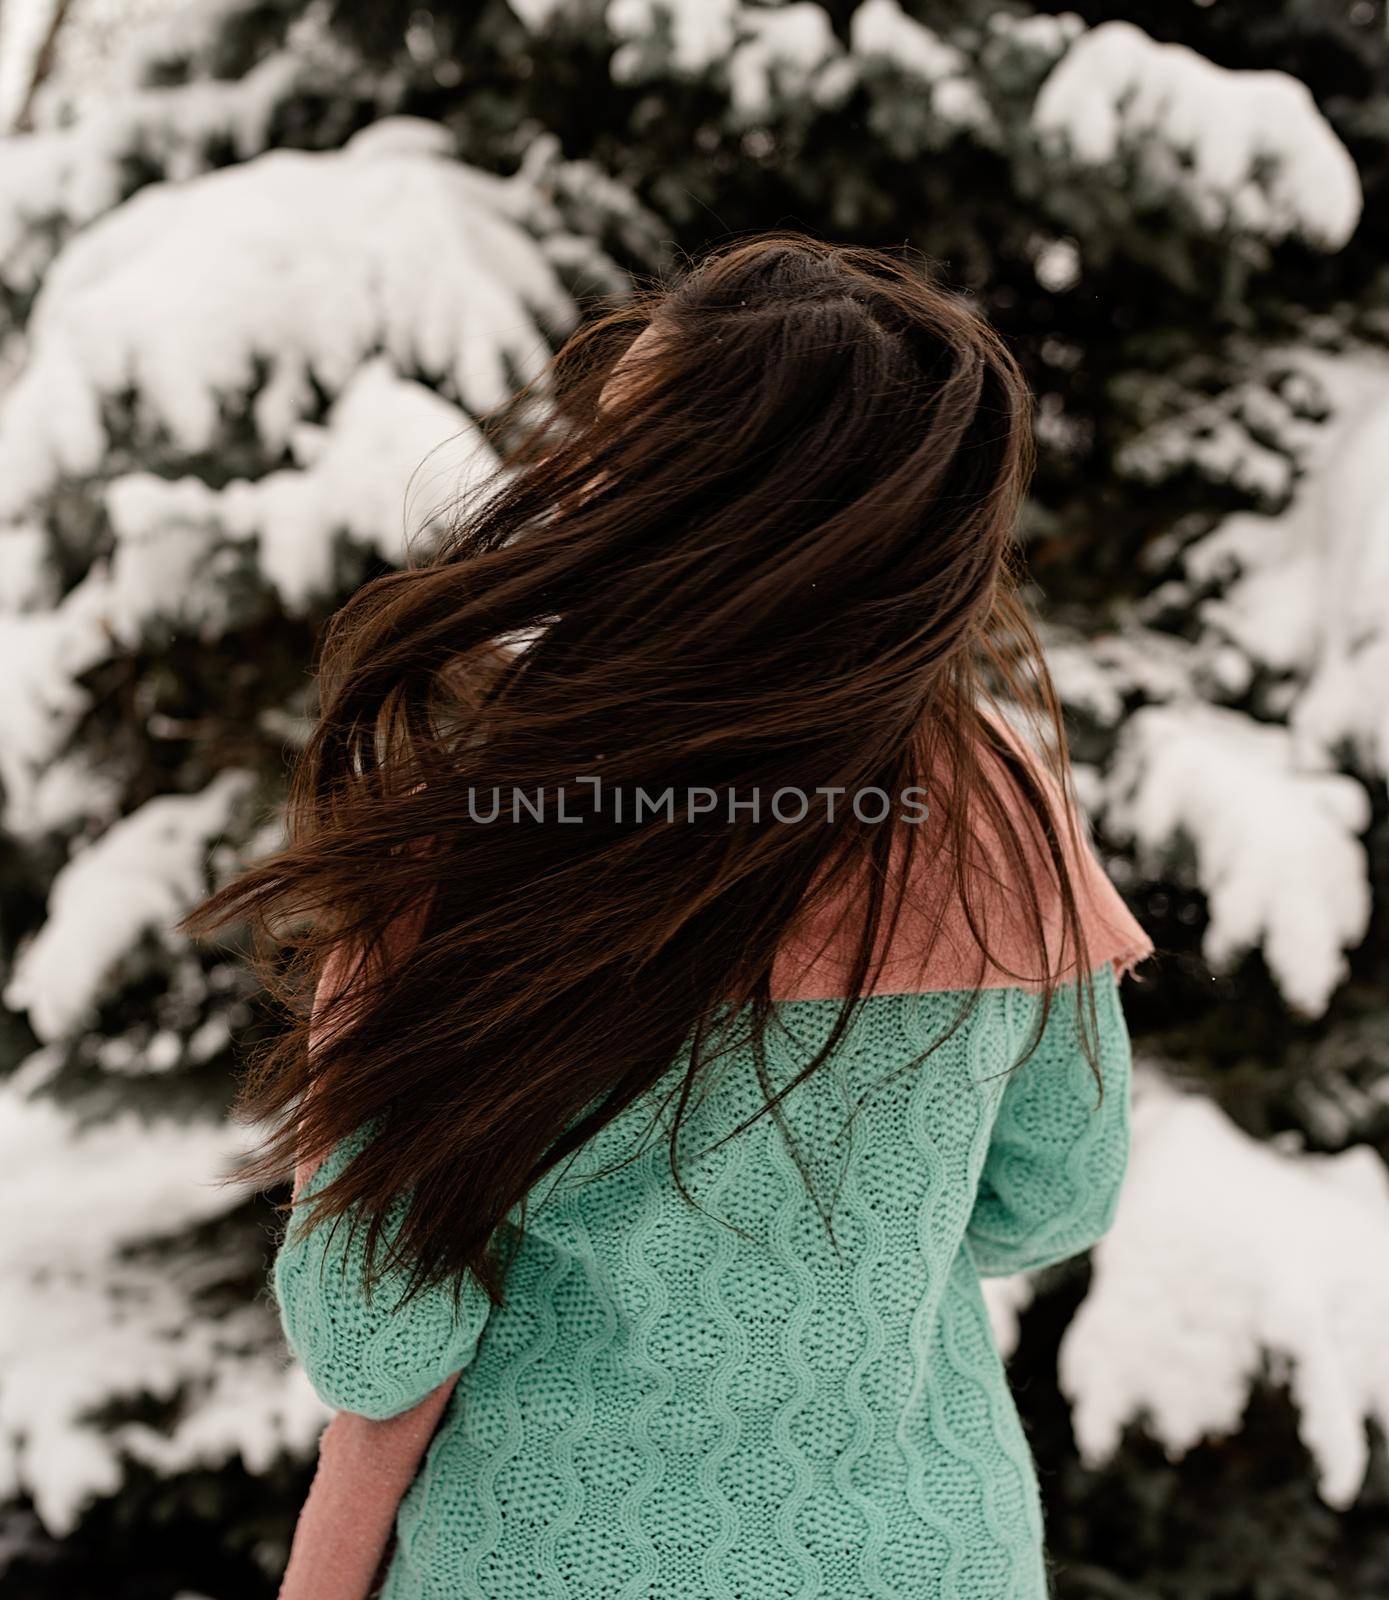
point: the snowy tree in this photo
(265, 267)
(238, 388)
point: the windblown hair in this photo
(768, 548)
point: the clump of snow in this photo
(1100, 674)
(355, 480)
(1346, 701)
(583, 203)
(772, 55)
(56, 180)
(107, 46)
(1057, 265)
(292, 265)
(1292, 608)
(1039, 34)
(375, 472)
(134, 881)
(1248, 437)
(1226, 1251)
(42, 654)
(85, 1324)
(23, 30)
(776, 57)
(881, 28)
(538, 14)
(882, 35)
(25, 582)
(1276, 843)
(1269, 608)
(67, 792)
(1248, 151)
(1346, 501)
(1306, 591)
(173, 574)
(1006, 1299)
(697, 34)
(788, 54)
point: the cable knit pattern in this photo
(667, 1409)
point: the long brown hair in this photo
(769, 551)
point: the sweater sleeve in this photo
(1057, 1153)
(364, 1351)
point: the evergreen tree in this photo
(264, 266)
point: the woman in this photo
(712, 986)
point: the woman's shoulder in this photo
(977, 928)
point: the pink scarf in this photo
(365, 1467)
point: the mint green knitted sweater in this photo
(668, 1408)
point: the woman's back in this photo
(684, 673)
(668, 1407)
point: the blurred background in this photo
(263, 265)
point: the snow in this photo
(1005, 1299)
(1292, 608)
(701, 34)
(23, 30)
(786, 54)
(1039, 34)
(1214, 439)
(881, 28)
(1057, 265)
(1306, 590)
(68, 792)
(174, 576)
(106, 46)
(538, 14)
(355, 307)
(356, 480)
(300, 265)
(1269, 609)
(24, 577)
(133, 882)
(1276, 842)
(1347, 703)
(67, 176)
(1225, 1250)
(42, 654)
(1247, 151)
(774, 56)
(881, 34)
(88, 1321)
(1346, 698)
(1099, 674)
